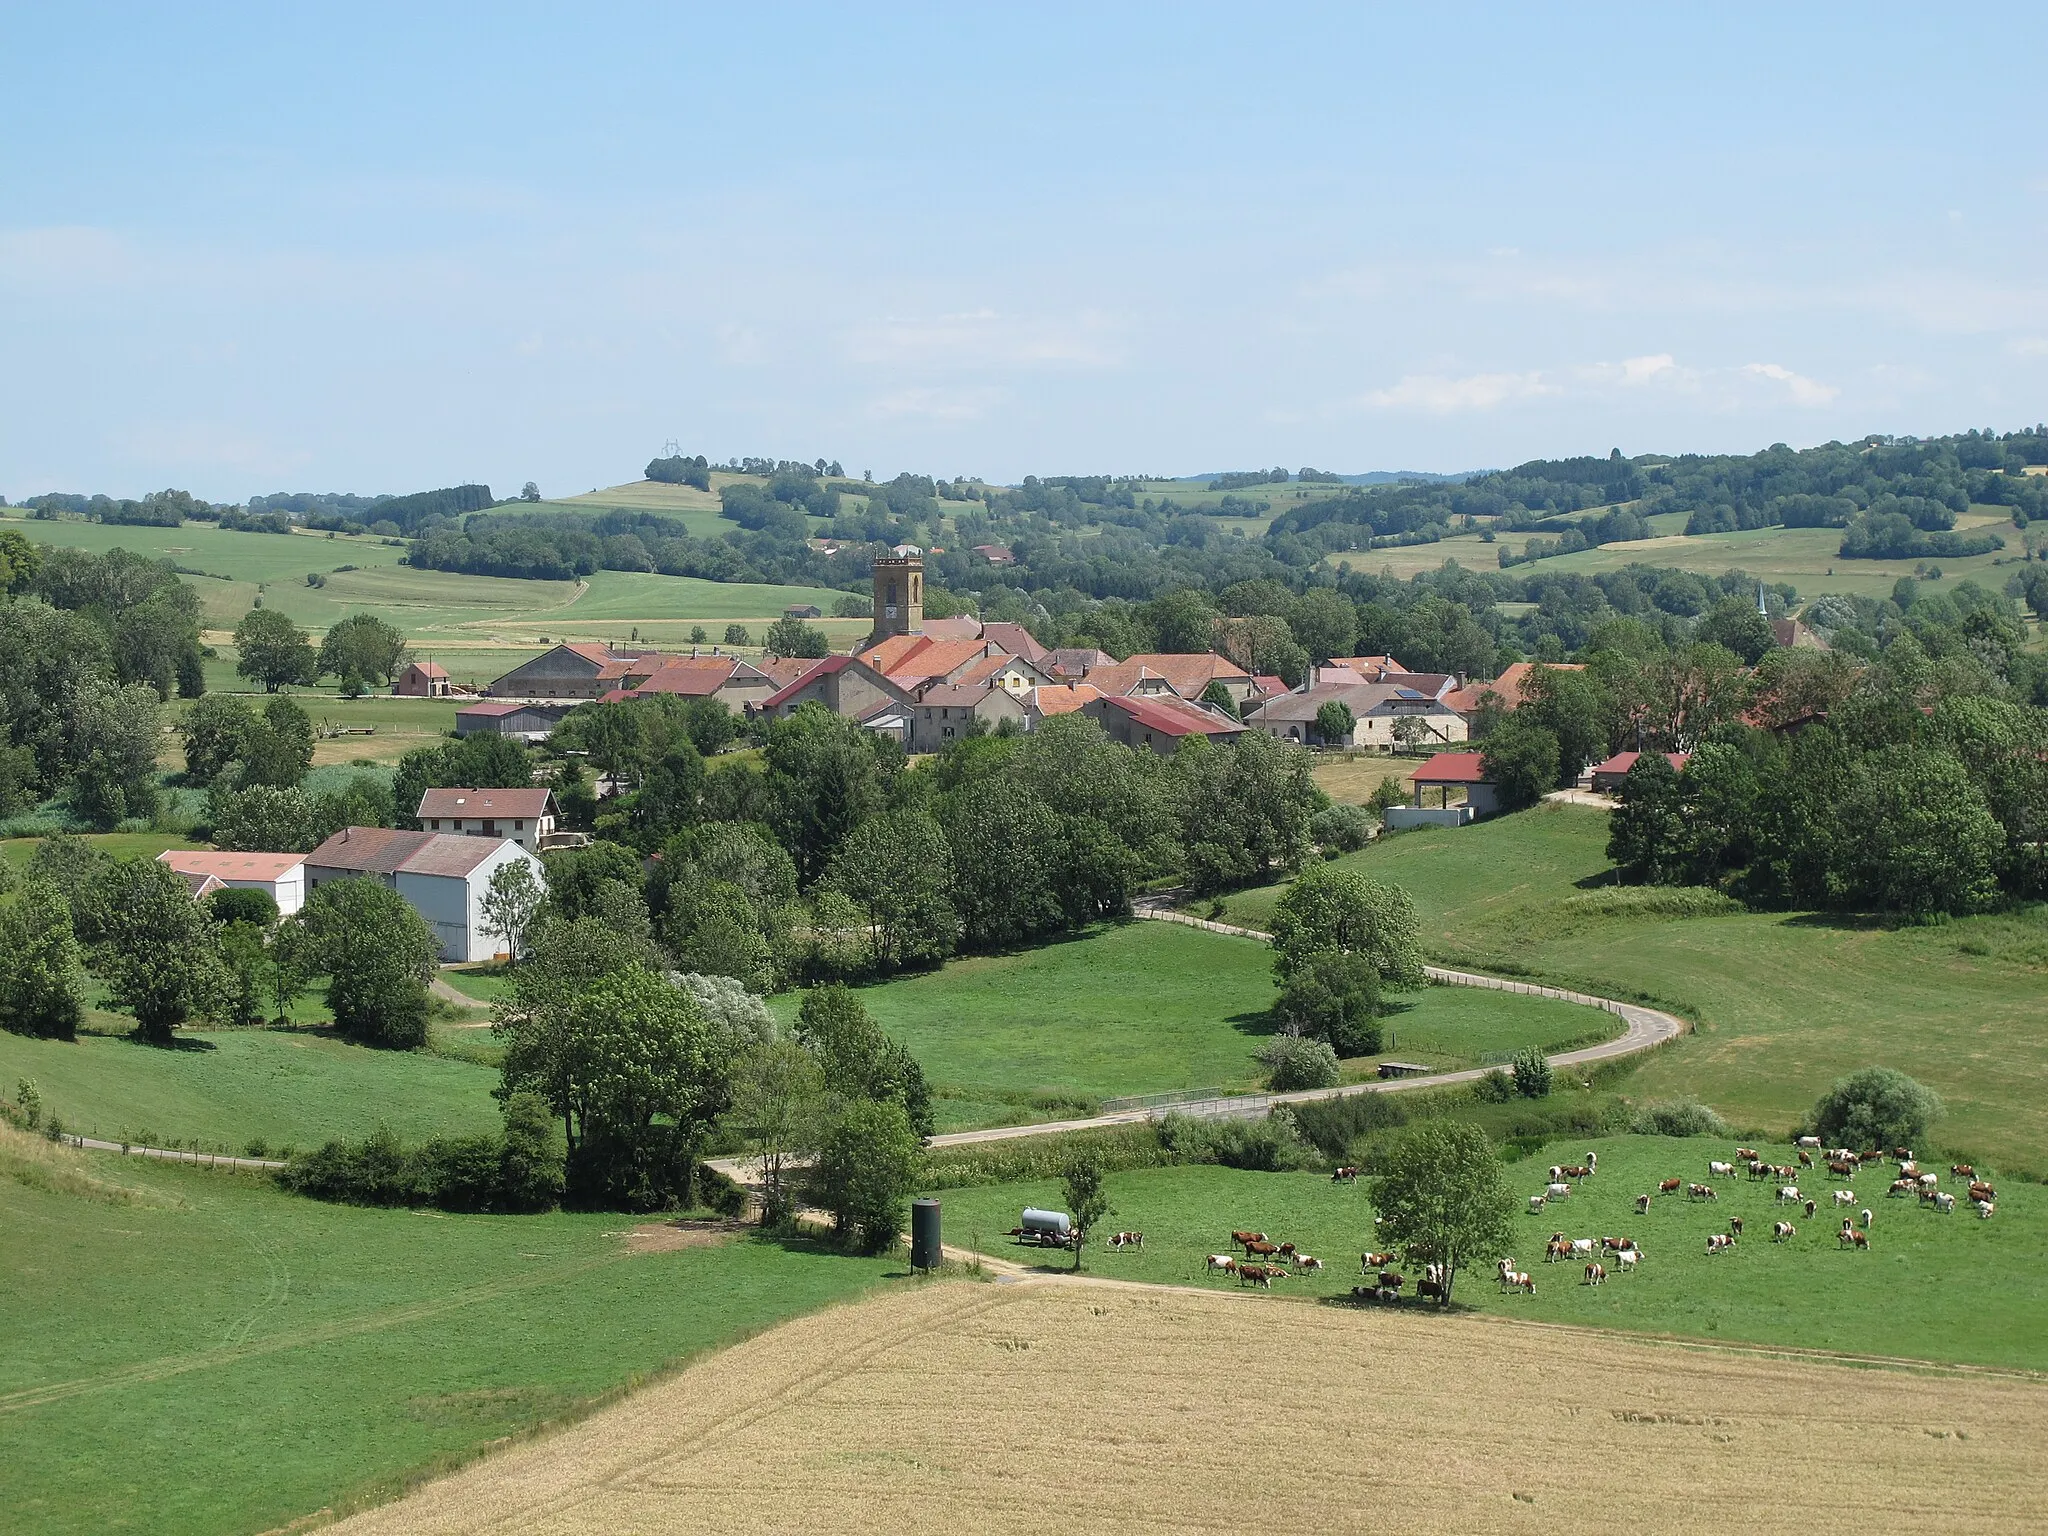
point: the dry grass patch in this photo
(39, 1163)
(683, 1232)
(1046, 1405)
(1351, 780)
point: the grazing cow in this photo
(1582, 1247)
(1628, 1258)
(1760, 1170)
(1389, 1281)
(1557, 1248)
(1368, 1262)
(1719, 1242)
(1670, 1186)
(1745, 1154)
(1700, 1192)
(1287, 1250)
(1901, 1187)
(1616, 1244)
(1222, 1263)
(1979, 1190)
(1945, 1203)
(1260, 1274)
(1128, 1240)
(1788, 1192)
(1869, 1157)
(1558, 1192)
(1865, 1218)
(1515, 1280)
(1592, 1163)
(1261, 1249)
(1785, 1171)
(1642, 1205)
(1811, 1207)
(1805, 1158)
(1596, 1274)
(1307, 1261)
(1535, 1204)
(1839, 1155)
(1244, 1238)
(1845, 1197)
(1962, 1170)
(1780, 1230)
(1905, 1154)
(1735, 1226)
(1841, 1168)
(1720, 1170)
(1849, 1237)
(1344, 1176)
(1431, 1290)
(1810, 1141)
(1985, 1208)
(1578, 1171)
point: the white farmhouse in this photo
(281, 876)
(443, 876)
(524, 815)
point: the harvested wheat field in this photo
(1044, 1405)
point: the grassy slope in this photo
(249, 1358)
(1930, 1287)
(231, 1086)
(1783, 1003)
(1143, 1008)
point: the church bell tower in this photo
(899, 595)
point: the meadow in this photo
(1781, 1003)
(193, 1352)
(1063, 1404)
(1148, 1007)
(234, 1088)
(1929, 1287)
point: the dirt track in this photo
(1049, 1404)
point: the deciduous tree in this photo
(1440, 1190)
(274, 651)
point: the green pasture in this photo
(1148, 1007)
(117, 845)
(1782, 1003)
(1933, 1287)
(240, 1359)
(232, 1087)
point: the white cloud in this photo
(1642, 370)
(1803, 390)
(2028, 346)
(1475, 392)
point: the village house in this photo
(423, 680)
(1505, 693)
(1608, 777)
(586, 669)
(527, 816)
(280, 876)
(1377, 710)
(1158, 724)
(443, 876)
(1185, 675)
(944, 715)
(845, 685)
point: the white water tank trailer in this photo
(1048, 1229)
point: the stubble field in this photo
(1051, 1405)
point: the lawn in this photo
(397, 726)
(1948, 1288)
(243, 1358)
(1782, 1003)
(233, 1087)
(1146, 1008)
(1350, 780)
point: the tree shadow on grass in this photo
(175, 1043)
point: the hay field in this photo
(1050, 1405)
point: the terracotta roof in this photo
(694, 677)
(1621, 762)
(1062, 698)
(493, 709)
(1268, 687)
(451, 853)
(1173, 717)
(589, 650)
(982, 670)
(371, 850)
(1015, 639)
(1368, 667)
(231, 866)
(1186, 675)
(428, 669)
(815, 669)
(1451, 768)
(964, 627)
(781, 671)
(1508, 687)
(484, 802)
(933, 660)
(887, 654)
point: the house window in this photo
(436, 824)
(519, 826)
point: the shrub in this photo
(1678, 1117)
(1342, 828)
(1494, 1087)
(1532, 1074)
(1335, 997)
(1041, 1157)
(1334, 1126)
(1271, 1145)
(1876, 1107)
(866, 1173)
(517, 1171)
(1294, 1062)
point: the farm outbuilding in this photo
(443, 876)
(281, 876)
(1445, 773)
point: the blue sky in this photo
(381, 248)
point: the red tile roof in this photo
(1508, 688)
(465, 803)
(231, 866)
(1062, 698)
(1451, 768)
(816, 670)
(451, 853)
(1171, 717)
(935, 659)
(493, 710)
(695, 677)
(371, 850)
(1015, 639)
(429, 669)
(1621, 762)
(1186, 675)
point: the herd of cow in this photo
(1264, 1261)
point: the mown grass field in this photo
(1930, 1287)
(958, 1406)
(233, 1087)
(1782, 1003)
(1351, 781)
(397, 726)
(1147, 1008)
(217, 1357)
